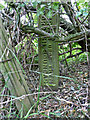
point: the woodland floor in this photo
(71, 99)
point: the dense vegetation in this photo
(21, 22)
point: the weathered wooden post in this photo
(12, 73)
(48, 49)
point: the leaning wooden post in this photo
(48, 50)
(12, 73)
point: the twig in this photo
(69, 51)
(3, 61)
(72, 56)
(23, 96)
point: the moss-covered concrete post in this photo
(48, 49)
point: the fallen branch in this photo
(71, 37)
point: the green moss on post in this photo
(48, 51)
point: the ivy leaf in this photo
(34, 4)
(39, 12)
(86, 4)
(55, 6)
(42, 7)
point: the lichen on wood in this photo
(12, 73)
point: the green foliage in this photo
(55, 5)
(83, 8)
(49, 14)
(1, 6)
(81, 1)
(81, 58)
(36, 2)
(40, 11)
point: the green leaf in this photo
(85, 13)
(77, 3)
(81, 1)
(34, 114)
(42, 5)
(1, 6)
(34, 4)
(86, 4)
(39, 12)
(49, 14)
(22, 5)
(55, 6)
(50, 84)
